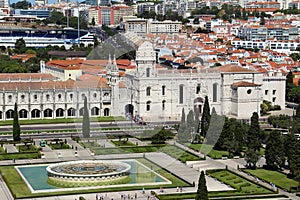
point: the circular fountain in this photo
(88, 171)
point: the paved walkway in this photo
(10, 148)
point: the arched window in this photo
(148, 105)
(9, 98)
(106, 112)
(9, 114)
(163, 104)
(81, 111)
(198, 89)
(47, 97)
(148, 72)
(71, 112)
(22, 97)
(148, 91)
(23, 113)
(181, 94)
(59, 97)
(95, 95)
(35, 113)
(71, 97)
(215, 92)
(59, 112)
(35, 97)
(163, 90)
(82, 97)
(95, 111)
(48, 113)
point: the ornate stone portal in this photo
(82, 172)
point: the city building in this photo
(149, 26)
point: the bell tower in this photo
(145, 60)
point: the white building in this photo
(149, 91)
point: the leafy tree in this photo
(295, 56)
(251, 156)
(292, 152)
(202, 193)
(16, 125)
(21, 5)
(205, 117)
(196, 20)
(20, 46)
(160, 137)
(86, 120)
(274, 154)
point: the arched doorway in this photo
(81, 111)
(106, 112)
(23, 113)
(129, 109)
(48, 112)
(35, 113)
(71, 112)
(95, 111)
(198, 103)
(9, 114)
(60, 112)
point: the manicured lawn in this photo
(59, 146)
(179, 153)
(122, 143)
(278, 178)
(24, 148)
(173, 151)
(90, 145)
(63, 120)
(20, 190)
(241, 185)
(17, 156)
(208, 150)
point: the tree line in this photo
(241, 138)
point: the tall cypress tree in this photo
(205, 119)
(275, 157)
(16, 125)
(182, 128)
(202, 193)
(254, 133)
(85, 120)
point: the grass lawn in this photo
(17, 156)
(63, 120)
(19, 189)
(90, 145)
(208, 150)
(241, 185)
(173, 151)
(122, 143)
(179, 153)
(59, 146)
(29, 148)
(278, 178)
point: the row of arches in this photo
(71, 112)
